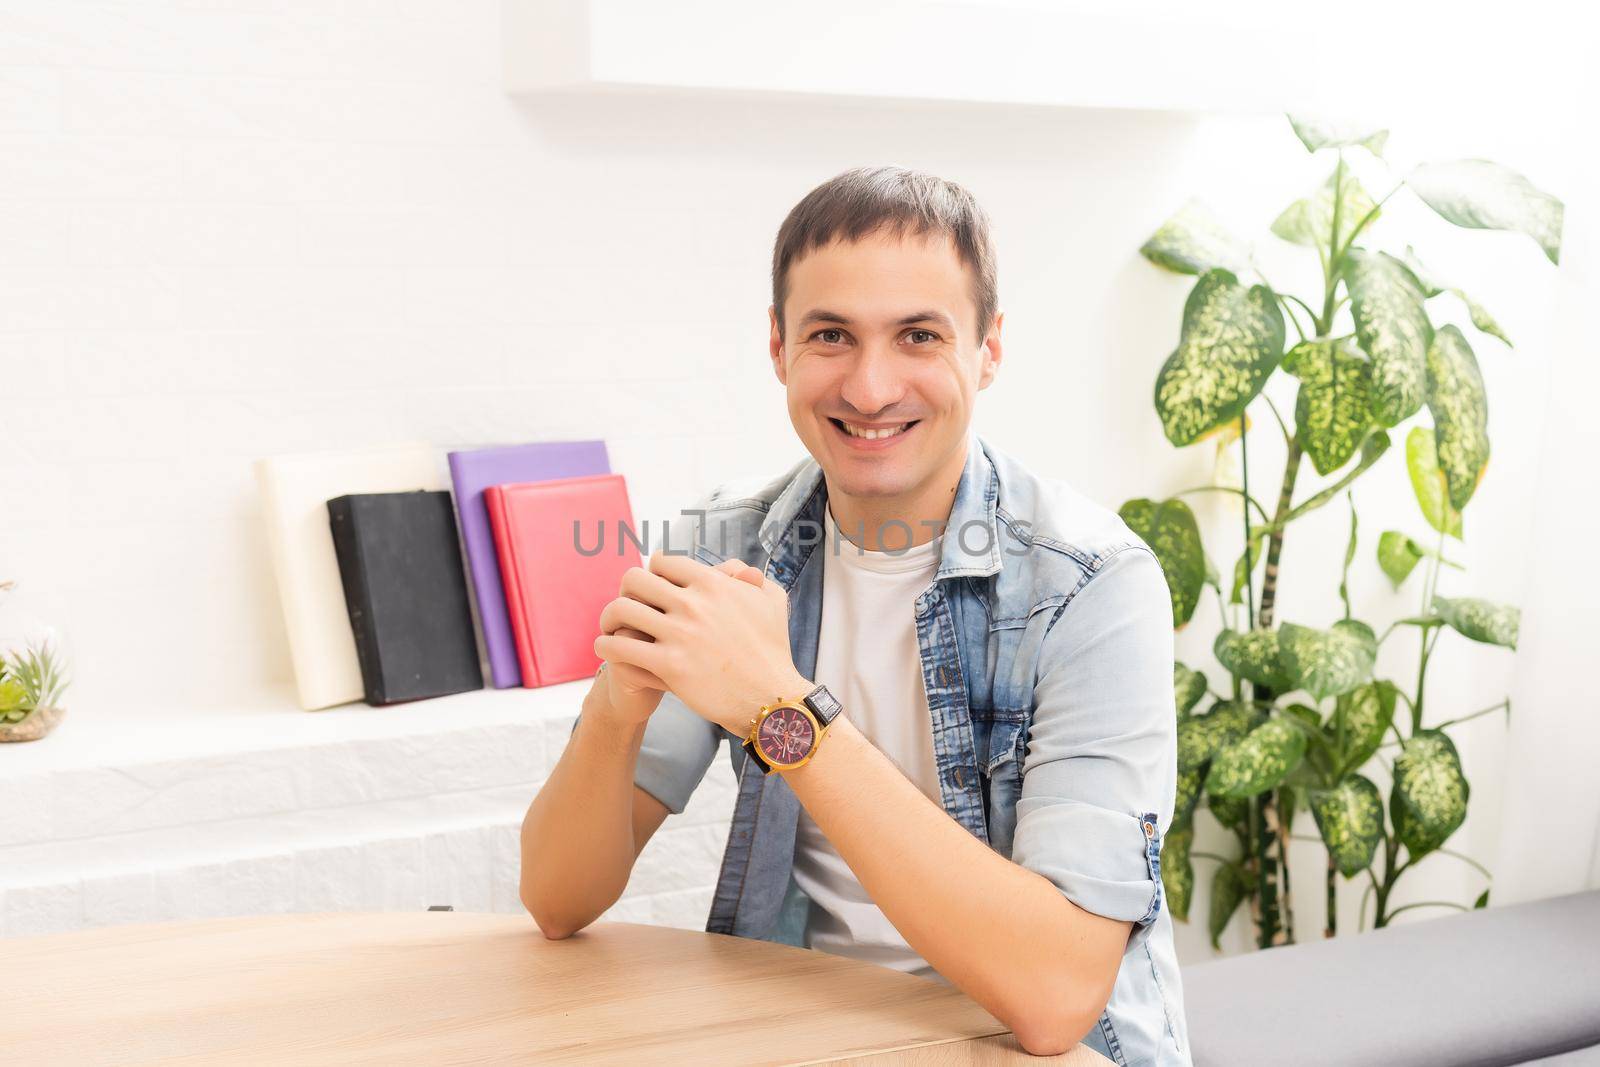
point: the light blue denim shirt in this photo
(1046, 644)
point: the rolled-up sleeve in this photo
(1100, 769)
(676, 752)
(678, 745)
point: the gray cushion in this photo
(1503, 985)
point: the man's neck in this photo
(874, 523)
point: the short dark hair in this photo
(897, 200)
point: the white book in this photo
(295, 491)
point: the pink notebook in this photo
(563, 545)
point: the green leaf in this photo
(1202, 736)
(1231, 341)
(1169, 529)
(1231, 812)
(1481, 620)
(1228, 889)
(1332, 412)
(1177, 872)
(1430, 792)
(1308, 715)
(1460, 409)
(1309, 221)
(1327, 662)
(1350, 819)
(1258, 761)
(1482, 195)
(12, 696)
(1422, 274)
(1481, 318)
(1193, 241)
(1188, 795)
(1386, 304)
(1429, 484)
(1398, 555)
(1432, 287)
(1188, 687)
(1246, 563)
(1317, 133)
(1253, 656)
(1483, 900)
(1366, 713)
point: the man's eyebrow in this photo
(823, 315)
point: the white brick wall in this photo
(230, 228)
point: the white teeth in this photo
(873, 435)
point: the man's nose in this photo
(872, 382)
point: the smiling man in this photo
(945, 682)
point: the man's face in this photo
(882, 337)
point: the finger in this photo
(679, 570)
(651, 589)
(646, 655)
(753, 575)
(625, 611)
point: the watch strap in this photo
(821, 703)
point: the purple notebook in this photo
(472, 472)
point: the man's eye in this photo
(823, 335)
(926, 333)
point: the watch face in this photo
(785, 735)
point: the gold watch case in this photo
(818, 728)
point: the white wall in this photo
(231, 229)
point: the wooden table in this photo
(456, 987)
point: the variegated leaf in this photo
(1188, 686)
(1258, 761)
(1431, 286)
(1430, 792)
(1317, 133)
(1429, 484)
(1193, 241)
(1187, 796)
(1460, 409)
(1332, 412)
(1483, 195)
(1393, 328)
(1228, 888)
(1201, 736)
(1229, 811)
(1173, 535)
(1177, 872)
(1481, 620)
(1309, 221)
(1398, 555)
(1231, 342)
(1253, 656)
(1481, 318)
(1327, 662)
(1364, 715)
(1246, 564)
(1350, 819)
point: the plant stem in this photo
(1244, 463)
(1332, 926)
(1225, 489)
(1269, 581)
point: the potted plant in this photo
(32, 681)
(1304, 722)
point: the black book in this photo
(400, 563)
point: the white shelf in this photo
(1058, 54)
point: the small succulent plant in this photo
(30, 678)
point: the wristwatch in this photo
(786, 733)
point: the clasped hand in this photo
(717, 637)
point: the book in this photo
(294, 491)
(473, 471)
(563, 544)
(406, 595)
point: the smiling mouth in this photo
(874, 433)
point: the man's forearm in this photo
(1002, 934)
(577, 838)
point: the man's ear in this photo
(990, 353)
(775, 345)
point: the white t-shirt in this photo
(867, 657)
